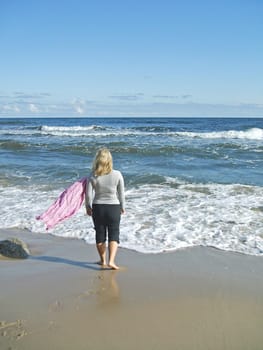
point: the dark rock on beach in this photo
(14, 248)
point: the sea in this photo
(188, 181)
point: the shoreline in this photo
(193, 298)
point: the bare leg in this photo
(101, 247)
(113, 247)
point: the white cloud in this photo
(33, 108)
(11, 108)
(79, 106)
(136, 104)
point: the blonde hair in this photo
(102, 164)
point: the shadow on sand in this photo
(57, 260)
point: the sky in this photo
(123, 58)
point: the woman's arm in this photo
(121, 193)
(89, 197)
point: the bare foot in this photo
(101, 263)
(113, 266)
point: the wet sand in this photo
(197, 298)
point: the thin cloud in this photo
(165, 96)
(172, 96)
(127, 107)
(127, 97)
(11, 108)
(45, 94)
(22, 95)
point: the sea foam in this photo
(104, 131)
(159, 217)
(250, 134)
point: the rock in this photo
(14, 248)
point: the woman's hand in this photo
(89, 211)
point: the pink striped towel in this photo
(66, 205)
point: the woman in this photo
(105, 202)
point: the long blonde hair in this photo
(102, 164)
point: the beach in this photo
(194, 298)
(191, 241)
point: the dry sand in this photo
(198, 298)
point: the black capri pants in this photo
(106, 218)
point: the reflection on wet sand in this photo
(107, 289)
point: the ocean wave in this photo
(152, 129)
(107, 131)
(250, 134)
(160, 217)
(80, 131)
(19, 131)
(67, 129)
(13, 145)
(95, 130)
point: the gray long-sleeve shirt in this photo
(106, 189)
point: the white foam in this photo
(80, 131)
(159, 217)
(250, 134)
(98, 131)
(18, 131)
(94, 130)
(211, 215)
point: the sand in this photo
(196, 298)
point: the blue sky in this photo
(131, 58)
